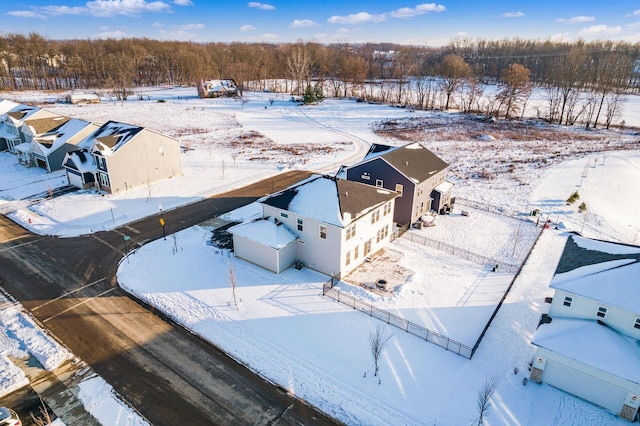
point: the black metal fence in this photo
(458, 252)
(396, 321)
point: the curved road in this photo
(166, 373)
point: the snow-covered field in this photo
(283, 328)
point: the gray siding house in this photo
(413, 171)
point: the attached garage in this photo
(591, 361)
(266, 243)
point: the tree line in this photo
(582, 81)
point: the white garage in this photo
(589, 360)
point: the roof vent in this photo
(406, 163)
(346, 193)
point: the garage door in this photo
(584, 386)
(74, 179)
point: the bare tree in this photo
(233, 282)
(299, 66)
(378, 341)
(484, 398)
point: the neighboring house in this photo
(413, 171)
(327, 224)
(5, 106)
(590, 345)
(12, 121)
(125, 156)
(83, 98)
(49, 139)
(217, 88)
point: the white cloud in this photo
(512, 15)
(111, 34)
(183, 2)
(109, 8)
(303, 23)
(26, 14)
(190, 27)
(461, 34)
(576, 20)
(402, 13)
(63, 10)
(356, 18)
(247, 28)
(600, 29)
(270, 36)
(421, 9)
(633, 14)
(157, 25)
(262, 6)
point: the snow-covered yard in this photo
(284, 329)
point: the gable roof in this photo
(45, 125)
(82, 161)
(110, 137)
(591, 343)
(413, 160)
(604, 271)
(330, 200)
(7, 105)
(266, 231)
(21, 112)
(69, 132)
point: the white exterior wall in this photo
(149, 157)
(254, 252)
(366, 231)
(584, 308)
(329, 255)
(584, 381)
(322, 255)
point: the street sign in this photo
(126, 237)
(162, 221)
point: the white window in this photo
(351, 231)
(602, 312)
(399, 189)
(347, 258)
(637, 324)
(284, 215)
(323, 232)
(387, 208)
(567, 301)
(161, 150)
(356, 249)
(379, 183)
(375, 216)
(300, 225)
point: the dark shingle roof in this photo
(413, 160)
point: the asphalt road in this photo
(166, 373)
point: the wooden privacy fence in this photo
(396, 321)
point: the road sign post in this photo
(126, 238)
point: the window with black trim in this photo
(300, 225)
(602, 312)
(323, 232)
(567, 301)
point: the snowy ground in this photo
(283, 328)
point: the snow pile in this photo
(31, 339)
(99, 400)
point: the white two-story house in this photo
(12, 122)
(590, 345)
(327, 224)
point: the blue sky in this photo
(327, 21)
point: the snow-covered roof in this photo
(7, 105)
(219, 85)
(81, 161)
(266, 231)
(603, 271)
(63, 134)
(21, 112)
(591, 343)
(444, 187)
(110, 137)
(43, 126)
(327, 199)
(5, 133)
(413, 160)
(24, 147)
